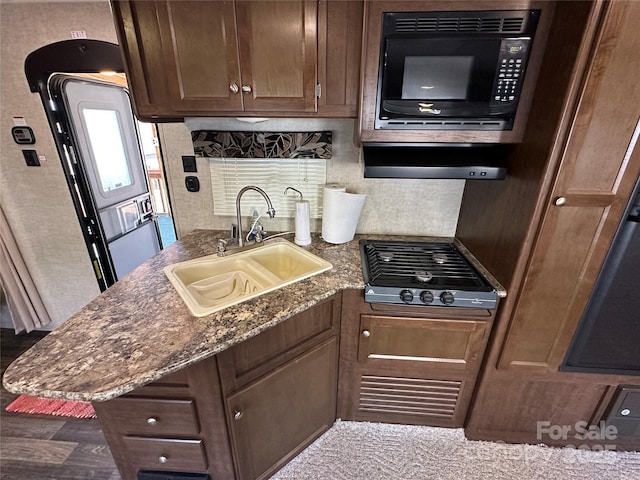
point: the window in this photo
(107, 147)
(230, 175)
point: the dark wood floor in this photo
(38, 447)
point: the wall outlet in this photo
(192, 183)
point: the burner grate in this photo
(407, 264)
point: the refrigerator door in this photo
(608, 337)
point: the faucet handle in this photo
(222, 246)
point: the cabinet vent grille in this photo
(460, 24)
(410, 396)
(477, 124)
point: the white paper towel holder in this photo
(302, 231)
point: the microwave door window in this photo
(458, 70)
(436, 77)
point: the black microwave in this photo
(460, 70)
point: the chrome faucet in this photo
(270, 210)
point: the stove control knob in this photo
(406, 296)
(426, 297)
(447, 298)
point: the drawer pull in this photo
(163, 459)
(237, 415)
(560, 201)
(366, 333)
(152, 420)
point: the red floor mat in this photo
(47, 406)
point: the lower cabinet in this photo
(242, 414)
(274, 418)
(407, 365)
(175, 425)
(280, 389)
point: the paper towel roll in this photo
(303, 233)
(340, 213)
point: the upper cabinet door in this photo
(234, 58)
(278, 54)
(200, 44)
(339, 53)
(181, 57)
(139, 38)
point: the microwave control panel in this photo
(510, 71)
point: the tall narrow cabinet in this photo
(572, 198)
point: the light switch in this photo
(31, 157)
(189, 163)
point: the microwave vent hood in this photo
(468, 161)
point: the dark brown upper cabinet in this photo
(235, 58)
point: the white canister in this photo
(303, 233)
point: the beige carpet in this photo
(369, 451)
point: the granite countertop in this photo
(140, 330)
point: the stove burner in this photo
(440, 258)
(386, 256)
(424, 277)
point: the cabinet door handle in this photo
(234, 88)
(560, 201)
(625, 412)
(237, 414)
(246, 88)
(366, 333)
(163, 459)
(152, 420)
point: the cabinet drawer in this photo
(154, 417)
(166, 454)
(175, 385)
(429, 342)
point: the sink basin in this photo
(211, 283)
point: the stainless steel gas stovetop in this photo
(422, 273)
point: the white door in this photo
(103, 144)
